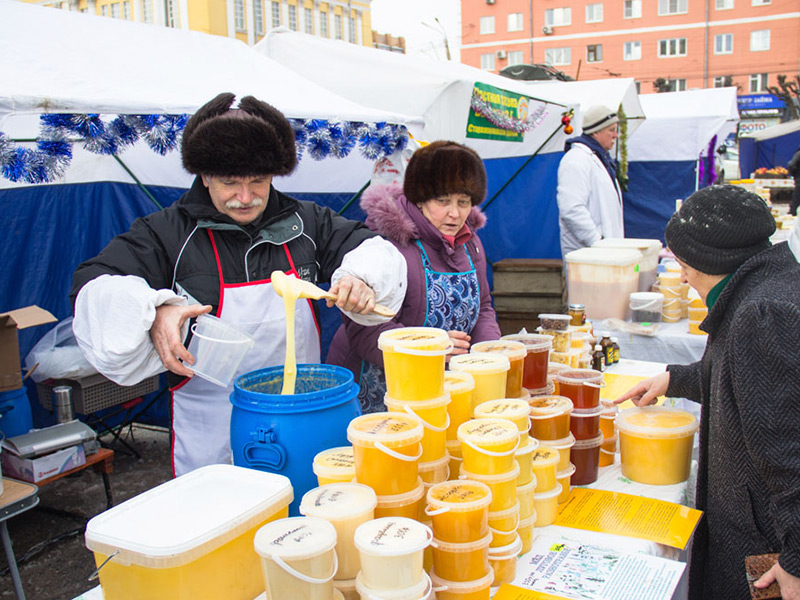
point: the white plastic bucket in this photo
(218, 349)
(391, 550)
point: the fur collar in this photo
(387, 214)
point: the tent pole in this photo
(355, 197)
(139, 183)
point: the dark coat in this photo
(748, 483)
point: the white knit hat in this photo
(598, 117)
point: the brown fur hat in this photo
(253, 140)
(444, 168)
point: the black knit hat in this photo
(253, 140)
(718, 228)
(444, 168)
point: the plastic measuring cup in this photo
(534, 375)
(413, 361)
(515, 352)
(489, 372)
(218, 348)
(459, 384)
(549, 417)
(391, 550)
(488, 446)
(459, 510)
(334, 465)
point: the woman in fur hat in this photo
(433, 222)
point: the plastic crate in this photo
(94, 393)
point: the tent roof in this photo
(114, 66)
(774, 131)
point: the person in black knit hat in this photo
(221, 241)
(748, 481)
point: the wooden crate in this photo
(529, 276)
(525, 303)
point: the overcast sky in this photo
(416, 21)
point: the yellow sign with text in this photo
(512, 592)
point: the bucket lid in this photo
(509, 348)
(656, 422)
(480, 363)
(295, 538)
(463, 587)
(404, 499)
(459, 495)
(642, 244)
(432, 465)
(590, 443)
(415, 405)
(528, 447)
(496, 515)
(545, 456)
(511, 550)
(334, 461)
(458, 547)
(488, 431)
(585, 413)
(392, 536)
(533, 341)
(422, 339)
(504, 408)
(463, 475)
(418, 591)
(336, 501)
(556, 491)
(526, 488)
(553, 368)
(187, 517)
(457, 382)
(579, 376)
(391, 429)
(612, 257)
(563, 443)
(527, 521)
(545, 407)
(566, 472)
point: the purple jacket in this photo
(401, 222)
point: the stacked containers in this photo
(557, 327)
(545, 499)
(697, 314)
(534, 368)
(582, 386)
(489, 372)
(550, 424)
(459, 384)
(515, 352)
(609, 446)
(669, 285)
(334, 465)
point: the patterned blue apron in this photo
(453, 302)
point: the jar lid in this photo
(579, 376)
(392, 536)
(656, 422)
(336, 501)
(545, 456)
(545, 407)
(457, 382)
(295, 538)
(459, 495)
(504, 408)
(508, 348)
(533, 341)
(392, 429)
(488, 431)
(480, 363)
(577, 307)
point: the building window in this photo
(171, 13)
(126, 10)
(293, 17)
(351, 25)
(558, 56)
(338, 27)
(672, 47)
(759, 40)
(515, 22)
(633, 9)
(238, 15)
(104, 10)
(719, 82)
(258, 17)
(323, 24)
(308, 20)
(758, 82)
(515, 58)
(147, 11)
(676, 85)
(558, 16)
(723, 43)
(632, 51)
(638, 87)
(276, 14)
(594, 13)
(761, 2)
(673, 7)
(487, 61)
(724, 4)
(115, 12)
(594, 53)
(487, 25)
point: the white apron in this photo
(201, 410)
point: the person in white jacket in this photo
(589, 197)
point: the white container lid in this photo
(334, 461)
(391, 429)
(480, 363)
(336, 501)
(295, 538)
(488, 431)
(503, 408)
(392, 536)
(656, 422)
(187, 517)
(509, 348)
(612, 257)
(644, 245)
(456, 382)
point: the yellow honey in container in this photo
(516, 353)
(480, 589)
(413, 361)
(546, 505)
(525, 499)
(334, 465)
(459, 384)
(655, 444)
(503, 525)
(461, 561)
(420, 590)
(459, 510)
(610, 411)
(513, 410)
(607, 451)
(525, 532)
(564, 480)
(409, 504)
(489, 372)
(524, 459)
(503, 561)
(435, 471)
(386, 449)
(488, 446)
(549, 417)
(564, 447)
(545, 462)
(502, 485)
(454, 450)
(434, 418)
(191, 537)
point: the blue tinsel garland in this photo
(58, 132)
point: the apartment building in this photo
(683, 44)
(246, 20)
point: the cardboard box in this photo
(10, 322)
(42, 467)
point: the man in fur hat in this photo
(214, 251)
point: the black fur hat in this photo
(444, 168)
(253, 140)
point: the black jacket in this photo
(748, 484)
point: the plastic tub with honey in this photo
(413, 361)
(564, 479)
(480, 589)
(503, 525)
(347, 588)
(545, 465)
(564, 447)
(524, 459)
(435, 471)
(655, 444)
(386, 449)
(454, 450)
(391, 552)
(459, 510)
(502, 485)
(585, 423)
(334, 465)
(515, 352)
(489, 372)
(525, 532)
(608, 450)
(546, 505)
(586, 458)
(409, 504)
(555, 322)
(549, 417)
(525, 498)
(562, 340)
(513, 410)
(460, 386)
(547, 390)
(461, 561)
(537, 347)
(488, 446)
(420, 591)
(582, 386)
(503, 562)
(434, 418)
(610, 411)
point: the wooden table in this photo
(102, 461)
(17, 497)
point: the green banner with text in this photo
(497, 114)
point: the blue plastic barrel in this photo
(15, 412)
(282, 434)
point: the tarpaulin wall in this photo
(772, 152)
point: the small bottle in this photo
(616, 349)
(607, 348)
(598, 359)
